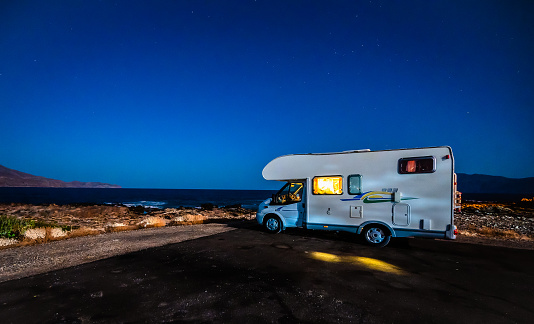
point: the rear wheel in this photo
(272, 224)
(375, 235)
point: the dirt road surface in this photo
(245, 275)
(25, 261)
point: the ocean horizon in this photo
(171, 198)
(154, 198)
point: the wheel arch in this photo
(382, 224)
(282, 220)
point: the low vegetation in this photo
(22, 224)
(12, 228)
(15, 228)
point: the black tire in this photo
(272, 224)
(376, 235)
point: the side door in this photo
(325, 205)
(401, 214)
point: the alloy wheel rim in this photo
(375, 235)
(272, 224)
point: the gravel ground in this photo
(20, 262)
(498, 217)
(498, 224)
(471, 238)
(509, 220)
(489, 224)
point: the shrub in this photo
(11, 227)
(496, 232)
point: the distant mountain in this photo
(480, 183)
(14, 178)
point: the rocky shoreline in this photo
(512, 222)
(58, 222)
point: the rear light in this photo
(455, 231)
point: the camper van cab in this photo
(378, 194)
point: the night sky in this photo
(203, 94)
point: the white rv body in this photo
(405, 192)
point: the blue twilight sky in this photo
(203, 94)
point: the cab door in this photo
(290, 199)
(301, 206)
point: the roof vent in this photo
(355, 151)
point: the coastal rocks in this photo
(508, 222)
(487, 209)
(57, 232)
(189, 219)
(115, 225)
(103, 217)
(496, 221)
(35, 233)
(54, 222)
(41, 233)
(7, 242)
(74, 216)
(84, 231)
(152, 221)
(189, 216)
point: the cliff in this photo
(14, 178)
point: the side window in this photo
(355, 184)
(328, 185)
(425, 164)
(295, 192)
(290, 193)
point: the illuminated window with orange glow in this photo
(410, 166)
(424, 164)
(328, 185)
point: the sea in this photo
(148, 198)
(171, 198)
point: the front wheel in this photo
(376, 236)
(273, 224)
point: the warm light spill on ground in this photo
(369, 263)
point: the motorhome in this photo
(377, 194)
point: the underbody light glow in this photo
(369, 263)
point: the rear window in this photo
(413, 165)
